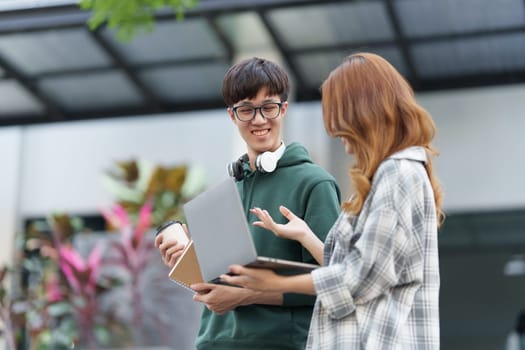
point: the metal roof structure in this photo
(54, 69)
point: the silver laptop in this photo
(221, 235)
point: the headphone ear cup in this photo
(266, 162)
(235, 170)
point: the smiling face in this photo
(260, 134)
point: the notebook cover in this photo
(187, 270)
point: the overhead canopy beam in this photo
(223, 38)
(52, 109)
(168, 63)
(472, 80)
(35, 20)
(402, 43)
(71, 16)
(284, 51)
(129, 112)
(153, 104)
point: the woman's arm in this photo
(295, 229)
(269, 281)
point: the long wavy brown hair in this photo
(367, 102)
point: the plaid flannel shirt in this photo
(379, 287)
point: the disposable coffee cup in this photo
(173, 231)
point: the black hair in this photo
(246, 78)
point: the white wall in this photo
(482, 144)
(304, 124)
(480, 139)
(482, 162)
(10, 155)
(63, 162)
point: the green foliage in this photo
(60, 306)
(135, 182)
(128, 17)
(72, 291)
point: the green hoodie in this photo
(310, 193)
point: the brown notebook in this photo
(187, 270)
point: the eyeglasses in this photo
(246, 113)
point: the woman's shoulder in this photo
(395, 179)
(403, 168)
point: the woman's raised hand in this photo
(295, 229)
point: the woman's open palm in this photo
(295, 229)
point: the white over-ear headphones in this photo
(265, 162)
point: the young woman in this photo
(379, 284)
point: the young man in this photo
(256, 91)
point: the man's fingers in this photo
(239, 270)
(165, 261)
(163, 247)
(234, 280)
(169, 247)
(172, 259)
(201, 289)
(175, 248)
(158, 241)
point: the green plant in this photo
(129, 16)
(145, 196)
(136, 182)
(6, 311)
(73, 279)
(64, 287)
